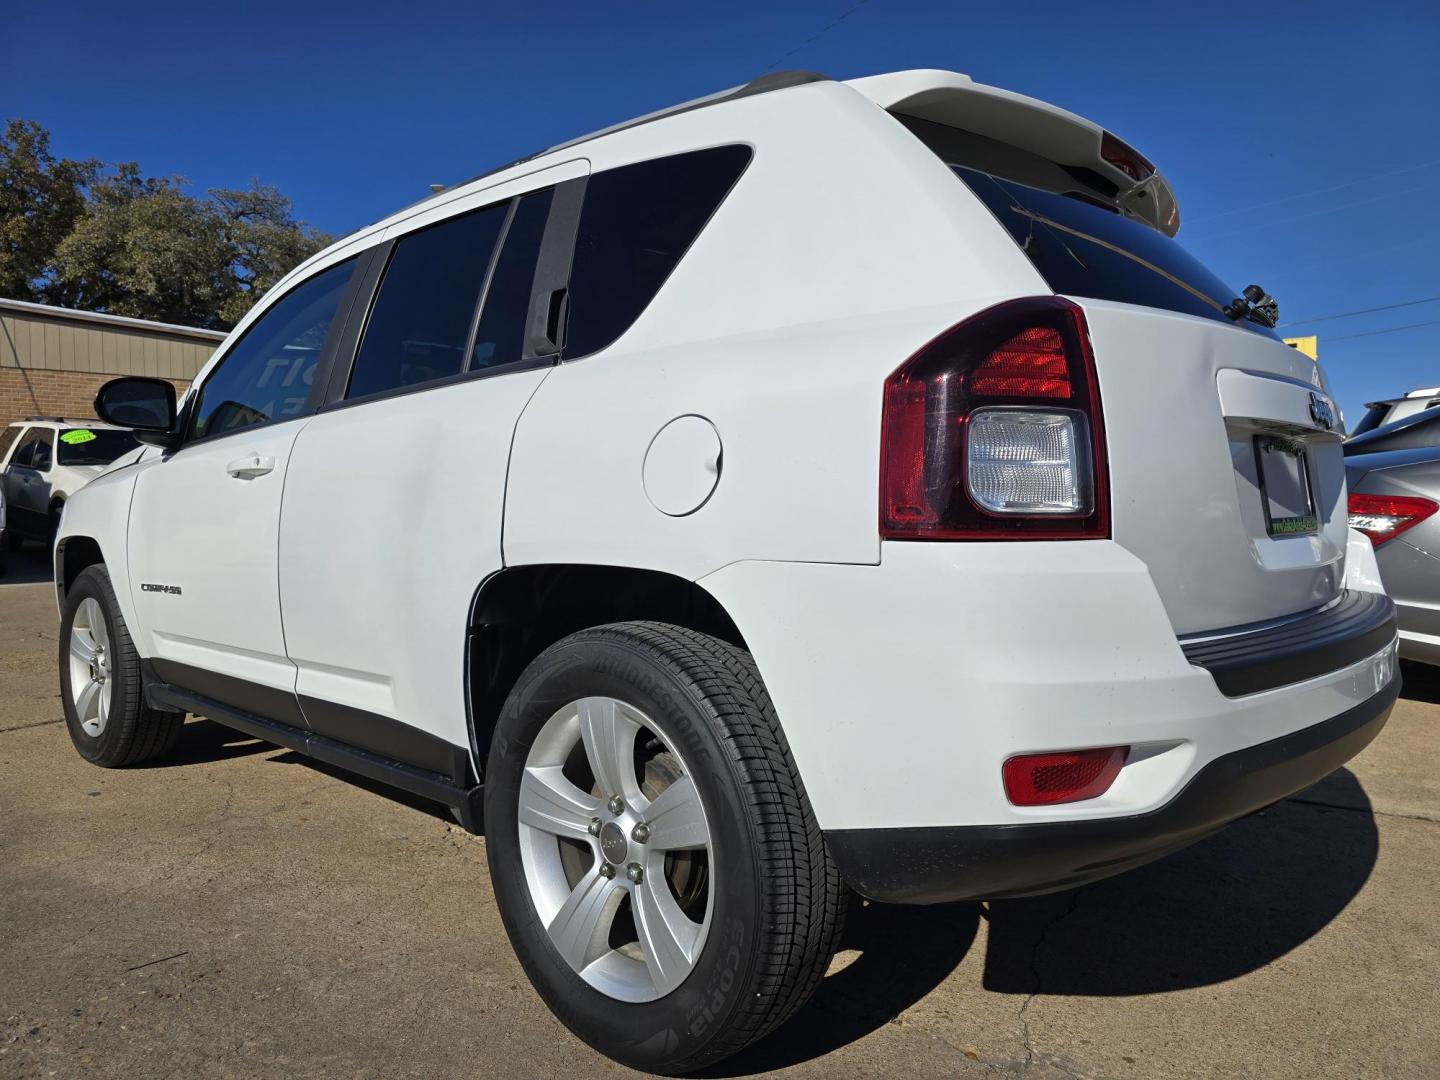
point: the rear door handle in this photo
(250, 466)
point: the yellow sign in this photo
(1305, 345)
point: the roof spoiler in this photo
(955, 100)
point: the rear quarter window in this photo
(635, 226)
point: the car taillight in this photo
(1125, 158)
(1069, 776)
(993, 431)
(1384, 517)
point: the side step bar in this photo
(466, 800)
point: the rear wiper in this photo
(1256, 305)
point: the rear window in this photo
(637, 222)
(1082, 249)
(90, 446)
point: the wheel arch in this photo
(72, 555)
(518, 612)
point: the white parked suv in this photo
(840, 486)
(46, 459)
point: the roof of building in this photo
(49, 311)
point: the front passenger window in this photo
(267, 375)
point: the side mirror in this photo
(145, 406)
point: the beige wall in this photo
(52, 362)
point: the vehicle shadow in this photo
(903, 954)
(375, 787)
(204, 740)
(1228, 906)
(1420, 682)
(29, 566)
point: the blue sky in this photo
(1303, 140)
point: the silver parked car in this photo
(1394, 496)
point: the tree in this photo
(146, 249)
(141, 246)
(264, 239)
(40, 201)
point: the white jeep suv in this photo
(842, 486)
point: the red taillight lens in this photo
(1031, 364)
(1046, 779)
(1024, 373)
(1125, 158)
(1384, 517)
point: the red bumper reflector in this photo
(1069, 776)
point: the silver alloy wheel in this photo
(90, 682)
(643, 842)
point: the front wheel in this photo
(653, 853)
(105, 710)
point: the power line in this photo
(1318, 191)
(1391, 330)
(1250, 226)
(1361, 311)
(819, 33)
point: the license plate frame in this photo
(1287, 490)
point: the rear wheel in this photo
(105, 709)
(656, 863)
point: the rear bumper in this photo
(935, 865)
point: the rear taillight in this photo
(1125, 158)
(1384, 517)
(993, 431)
(1068, 776)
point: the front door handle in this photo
(250, 466)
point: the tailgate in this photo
(1222, 478)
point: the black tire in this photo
(134, 732)
(779, 902)
(4, 553)
(13, 539)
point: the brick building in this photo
(52, 360)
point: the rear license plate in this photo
(1285, 489)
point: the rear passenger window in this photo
(420, 322)
(267, 374)
(500, 338)
(637, 222)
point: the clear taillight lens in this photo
(994, 431)
(1024, 461)
(1384, 517)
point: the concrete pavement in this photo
(236, 910)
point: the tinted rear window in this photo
(637, 222)
(1085, 250)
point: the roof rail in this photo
(763, 84)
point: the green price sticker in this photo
(79, 435)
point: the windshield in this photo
(89, 446)
(1082, 249)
